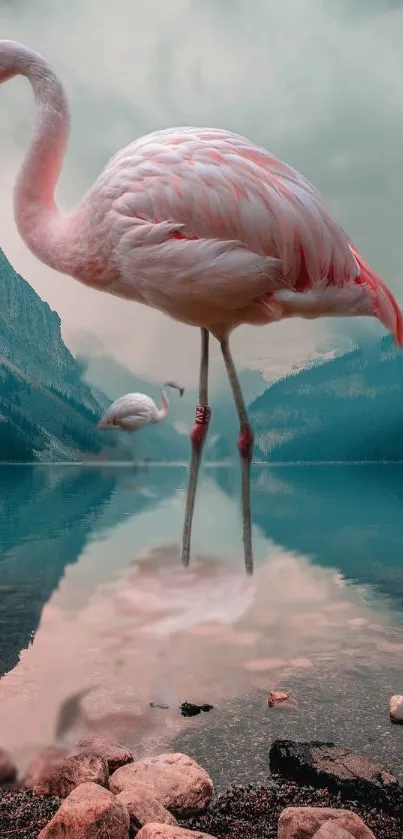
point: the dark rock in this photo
(189, 709)
(327, 766)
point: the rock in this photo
(331, 830)
(89, 812)
(8, 769)
(165, 831)
(44, 764)
(143, 807)
(189, 709)
(175, 780)
(114, 754)
(396, 708)
(73, 771)
(276, 697)
(304, 822)
(324, 765)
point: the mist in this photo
(316, 83)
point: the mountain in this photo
(349, 408)
(103, 373)
(46, 411)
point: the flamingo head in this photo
(105, 423)
(378, 300)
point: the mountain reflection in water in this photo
(321, 616)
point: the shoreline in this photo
(302, 774)
(241, 812)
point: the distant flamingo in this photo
(201, 224)
(136, 410)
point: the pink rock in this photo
(8, 769)
(396, 708)
(276, 697)
(78, 769)
(89, 812)
(304, 822)
(332, 830)
(165, 831)
(114, 754)
(44, 764)
(175, 780)
(143, 807)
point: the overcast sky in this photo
(317, 82)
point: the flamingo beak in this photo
(181, 391)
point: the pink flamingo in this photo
(201, 224)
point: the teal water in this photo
(92, 595)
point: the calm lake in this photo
(92, 595)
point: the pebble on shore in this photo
(396, 709)
(277, 697)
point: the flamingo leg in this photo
(245, 448)
(197, 437)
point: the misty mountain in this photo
(349, 408)
(47, 411)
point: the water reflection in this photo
(45, 520)
(47, 516)
(126, 620)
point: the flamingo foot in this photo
(245, 442)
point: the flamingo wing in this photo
(210, 214)
(132, 405)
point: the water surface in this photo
(92, 595)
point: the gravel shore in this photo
(23, 815)
(240, 813)
(252, 812)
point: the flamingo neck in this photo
(163, 412)
(46, 232)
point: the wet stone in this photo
(325, 765)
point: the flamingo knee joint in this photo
(245, 442)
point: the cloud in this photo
(318, 85)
